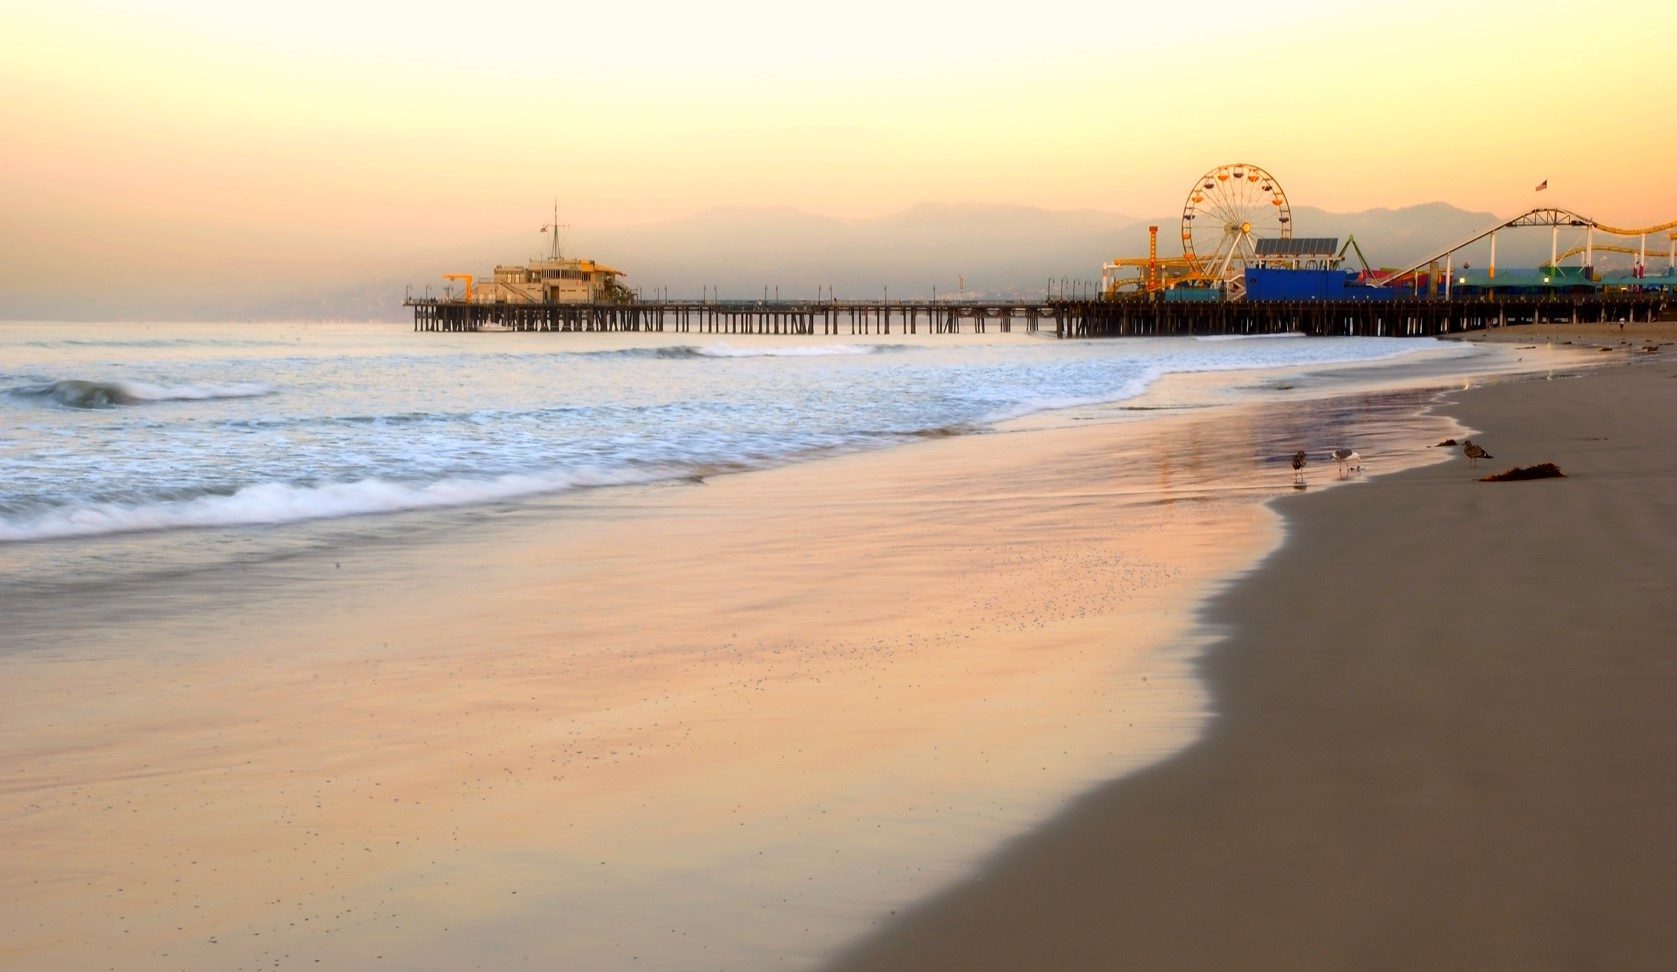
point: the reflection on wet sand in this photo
(654, 728)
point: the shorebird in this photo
(1347, 457)
(1475, 452)
(1300, 460)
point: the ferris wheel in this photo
(1228, 210)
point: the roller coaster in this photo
(1555, 219)
(1640, 253)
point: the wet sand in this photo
(1634, 338)
(1443, 732)
(729, 724)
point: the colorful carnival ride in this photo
(1236, 218)
(1227, 211)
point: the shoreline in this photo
(1411, 764)
(832, 621)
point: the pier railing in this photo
(1124, 317)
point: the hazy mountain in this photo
(996, 250)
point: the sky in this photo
(173, 144)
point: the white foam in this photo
(1133, 388)
(141, 391)
(722, 349)
(268, 503)
(1249, 337)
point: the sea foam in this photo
(722, 349)
(269, 503)
(77, 393)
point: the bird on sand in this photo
(1300, 460)
(1347, 458)
(1475, 452)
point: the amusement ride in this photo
(1232, 207)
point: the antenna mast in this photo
(554, 228)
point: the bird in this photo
(1347, 458)
(1475, 452)
(1300, 460)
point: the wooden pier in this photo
(1125, 317)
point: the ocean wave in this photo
(217, 342)
(722, 349)
(271, 503)
(1211, 362)
(1249, 337)
(1132, 388)
(101, 394)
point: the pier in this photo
(1129, 316)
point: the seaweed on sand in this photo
(1514, 474)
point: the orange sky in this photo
(192, 137)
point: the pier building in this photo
(551, 279)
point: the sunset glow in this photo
(276, 144)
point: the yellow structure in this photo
(462, 276)
(553, 279)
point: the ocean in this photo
(119, 429)
(344, 644)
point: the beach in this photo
(720, 721)
(794, 488)
(1441, 733)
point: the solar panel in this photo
(1299, 246)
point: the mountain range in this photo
(744, 252)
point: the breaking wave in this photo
(1249, 337)
(722, 349)
(102, 394)
(268, 503)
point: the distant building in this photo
(1525, 282)
(1635, 280)
(553, 281)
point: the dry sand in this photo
(1444, 731)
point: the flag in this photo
(1542, 186)
(544, 229)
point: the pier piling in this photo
(1092, 318)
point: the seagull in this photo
(1347, 457)
(1475, 452)
(1300, 460)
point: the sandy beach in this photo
(736, 487)
(742, 721)
(1442, 733)
(732, 723)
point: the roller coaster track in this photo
(1616, 231)
(1600, 248)
(1534, 217)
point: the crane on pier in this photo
(462, 276)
